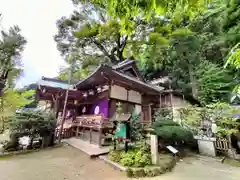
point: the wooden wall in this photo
(121, 93)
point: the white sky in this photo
(37, 20)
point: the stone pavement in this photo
(67, 163)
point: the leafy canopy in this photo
(126, 11)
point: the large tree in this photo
(92, 37)
(11, 45)
(194, 57)
(187, 39)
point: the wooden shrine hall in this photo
(92, 102)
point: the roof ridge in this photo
(122, 63)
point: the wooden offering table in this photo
(95, 126)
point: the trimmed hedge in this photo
(171, 133)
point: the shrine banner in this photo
(121, 131)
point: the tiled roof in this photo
(55, 83)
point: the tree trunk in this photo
(1, 111)
(192, 81)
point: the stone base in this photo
(233, 155)
(206, 145)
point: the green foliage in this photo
(13, 100)
(136, 157)
(162, 114)
(127, 158)
(115, 155)
(171, 132)
(187, 40)
(142, 158)
(166, 164)
(222, 113)
(234, 57)
(126, 11)
(191, 118)
(11, 45)
(136, 128)
(92, 37)
(33, 123)
(194, 56)
(226, 122)
(214, 83)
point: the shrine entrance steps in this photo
(91, 149)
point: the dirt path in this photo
(67, 163)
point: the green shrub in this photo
(13, 144)
(138, 157)
(127, 158)
(171, 132)
(142, 159)
(136, 128)
(114, 156)
(162, 123)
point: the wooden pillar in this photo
(171, 103)
(160, 100)
(150, 112)
(109, 97)
(90, 134)
(127, 100)
(77, 131)
(100, 137)
(142, 108)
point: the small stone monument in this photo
(1, 149)
(154, 146)
(206, 138)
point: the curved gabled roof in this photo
(115, 76)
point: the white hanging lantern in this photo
(91, 92)
(99, 89)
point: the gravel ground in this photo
(67, 163)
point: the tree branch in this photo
(122, 46)
(124, 43)
(119, 46)
(102, 48)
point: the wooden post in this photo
(127, 124)
(114, 140)
(77, 131)
(171, 103)
(150, 112)
(160, 100)
(154, 149)
(90, 138)
(100, 137)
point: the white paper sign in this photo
(172, 149)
